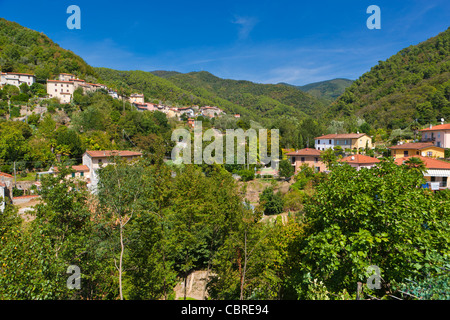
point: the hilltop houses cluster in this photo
(431, 150)
(189, 112)
(65, 85)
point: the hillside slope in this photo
(28, 51)
(269, 100)
(328, 90)
(412, 84)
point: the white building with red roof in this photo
(97, 159)
(16, 78)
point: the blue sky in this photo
(297, 42)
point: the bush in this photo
(271, 202)
(246, 175)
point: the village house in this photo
(210, 112)
(66, 77)
(80, 171)
(2, 196)
(188, 111)
(360, 161)
(16, 79)
(6, 184)
(60, 89)
(344, 140)
(439, 135)
(137, 98)
(94, 160)
(425, 149)
(309, 156)
(437, 173)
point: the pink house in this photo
(308, 156)
(439, 135)
(360, 161)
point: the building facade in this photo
(345, 141)
(16, 79)
(307, 156)
(359, 161)
(63, 90)
(439, 135)
(424, 149)
(437, 174)
(94, 160)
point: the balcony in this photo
(430, 139)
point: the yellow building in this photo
(424, 149)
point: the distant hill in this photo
(412, 84)
(268, 100)
(28, 51)
(157, 88)
(164, 74)
(328, 90)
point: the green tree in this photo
(272, 202)
(286, 169)
(373, 217)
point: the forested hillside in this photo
(29, 51)
(156, 88)
(412, 84)
(264, 99)
(328, 90)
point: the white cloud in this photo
(246, 25)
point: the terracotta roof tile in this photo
(359, 159)
(6, 175)
(305, 152)
(430, 163)
(109, 153)
(438, 127)
(413, 145)
(341, 136)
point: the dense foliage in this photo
(412, 84)
(27, 51)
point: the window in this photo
(329, 141)
(429, 154)
(56, 90)
(316, 159)
(302, 159)
(292, 160)
(82, 174)
(318, 141)
(405, 153)
(73, 174)
(438, 144)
